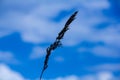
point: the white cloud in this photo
(59, 59)
(36, 26)
(37, 52)
(8, 74)
(14, 3)
(8, 57)
(97, 76)
(96, 4)
(104, 51)
(72, 77)
(105, 67)
(105, 76)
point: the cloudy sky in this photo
(90, 50)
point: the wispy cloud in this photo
(72, 77)
(34, 26)
(103, 51)
(105, 67)
(8, 57)
(37, 52)
(33, 20)
(59, 59)
(8, 74)
(106, 52)
(96, 76)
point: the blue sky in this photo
(90, 50)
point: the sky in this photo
(90, 49)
